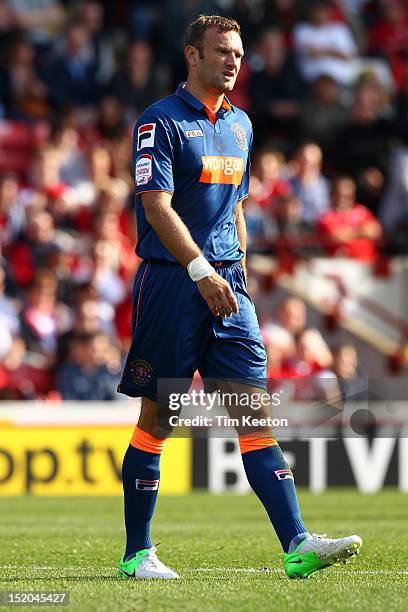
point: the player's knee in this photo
(155, 419)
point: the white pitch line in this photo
(281, 571)
(232, 570)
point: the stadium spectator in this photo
(292, 315)
(71, 73)
(346, 368)
(65, 138)
(308, 183)
(12, 211)
(134, 83)
(313, 354)
(275, 88)
(9, 308)
(7, 21)
(289, 218)
(323, 115)
(323, 46)
(351, 228)
(363, 147)
(280, 348)
(291, 318)
(45, 176)
(24, 373)
(92, 370)
(393, 211)
(388, 37)
(297, 238)
(43, 318)
(40, 19)
(91, 15)
(105, 276)
(111, 122)
(24, 94)
(268, 180)
(34, 247)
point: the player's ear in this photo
(192, 55)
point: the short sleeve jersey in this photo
(204, 161)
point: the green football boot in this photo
(316, 552)
(145, 564)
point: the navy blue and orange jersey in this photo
(203, 161)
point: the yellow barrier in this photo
(80, 460)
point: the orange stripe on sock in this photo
(251, 442)
(146, 442)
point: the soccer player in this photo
(191, 309)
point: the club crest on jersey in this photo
(284, 475)
(141, 371)
(143, 169)
(193, 133)
(146, 485)
(240, 136)
(220, 169)
(145, 135)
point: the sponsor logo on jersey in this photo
(147, 485)
(284, 475)
(145, 135)
(220, 169)
(240, 136)
(143, 169)
(193, 133)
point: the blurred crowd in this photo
(326, 86)
(303, 365)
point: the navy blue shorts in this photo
(174, 333)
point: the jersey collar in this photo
(190, 99)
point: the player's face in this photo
(220, 60)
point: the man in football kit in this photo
(191, 308)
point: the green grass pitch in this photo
(223, 547)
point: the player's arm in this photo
(175, 236)
(242, 232)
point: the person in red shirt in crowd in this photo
(107, 227)
(44, 318)
(267, 179)
(389, 37)
(311, 370)
(33, 249)
(292, 316)
(280, 348)
(24, 373)
(351, 228)
(46, 173)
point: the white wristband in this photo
(199, 268)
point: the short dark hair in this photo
(197, 29)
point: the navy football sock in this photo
(272, 481)
(140, 475)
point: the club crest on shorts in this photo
(240, 136)
(284, 475)
(146, 485)
(141, 371)
(145, 135)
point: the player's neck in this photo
(212, 101)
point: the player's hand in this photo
(218, 294)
